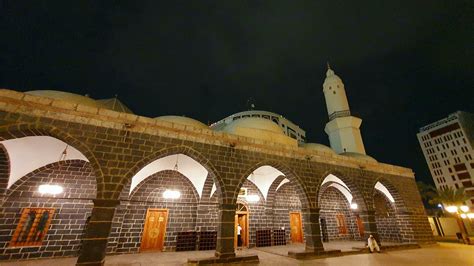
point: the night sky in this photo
(404, 64)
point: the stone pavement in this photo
(437, 255)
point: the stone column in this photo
(370, 226)
(312, 230)
(225, 231)
(94, 243)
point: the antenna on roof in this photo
(250, 104)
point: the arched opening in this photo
(340, 222)
(274, 197)
(48, 195)
(167, 206)
(386, 214)
(49, 207)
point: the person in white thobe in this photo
(372, 243)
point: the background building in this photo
(448, 148)
(289, 128)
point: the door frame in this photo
(145, 227)
(300, 225)
(245, 237)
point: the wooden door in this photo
(341, 224)
(360, 225)
(153, 237)
(242, 219)
(295, 227)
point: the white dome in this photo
(259, 128)
(182, 120)
(65, 96)
(317, 147)
(359, 156)
(253, 123)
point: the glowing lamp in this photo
(50, 189)
(470, 215)
(452, 209)
(252, 198)
(354, 206)
(464, 208)
(463, 215)
(171, 194)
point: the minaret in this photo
(342, 128)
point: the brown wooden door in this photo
(295, 227)
(153, 237)
(242, 219)
(341, 224)
(360, 225)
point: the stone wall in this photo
(286, 201)
(334, 203)
(385, 216)
(72, 208)
(148, 194)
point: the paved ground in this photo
(439, 255)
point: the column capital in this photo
(310, 210)
(227, 206)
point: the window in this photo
(32, 228)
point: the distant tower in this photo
(342, 128)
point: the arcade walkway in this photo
(438, 255)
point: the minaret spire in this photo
(342, 128)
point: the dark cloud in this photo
(405, 64)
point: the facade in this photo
(447, 145)
(289, 128)
(83, 180)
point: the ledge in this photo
(249, 259)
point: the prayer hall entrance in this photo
(153, 237)
(242, 219)
(295, 227)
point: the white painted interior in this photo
(284, 181)
(30, 153)
(385, 191)
(187, 166)
(347, 194)
(213, 189)
(263, 178)
(335, 179)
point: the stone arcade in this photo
(83, 178)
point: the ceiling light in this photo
(354, 206)
(171, 194)
(252, 198)
(50, 189)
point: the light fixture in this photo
(464, 208)
(354, 206)
(470, 215)
(463, 215)
(171, 194)
(452, 209)
(252, 198)
(440, 206)
(50, 189)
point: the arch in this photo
(16, 131)
(57, 166)
(163, 175)
(193, 154)
(286, 171)
(181, 163)
(32, 152)
(348, 183)
(398, 201)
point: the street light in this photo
(460, 212)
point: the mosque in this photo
(88, 178)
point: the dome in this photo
(254, 123)
(317, 147)
(182, 120)
(259, 128)
(65, 96)
(359, 156)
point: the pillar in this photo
(312, 230)
(225, 231)
(370, 226)
(94, 243)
